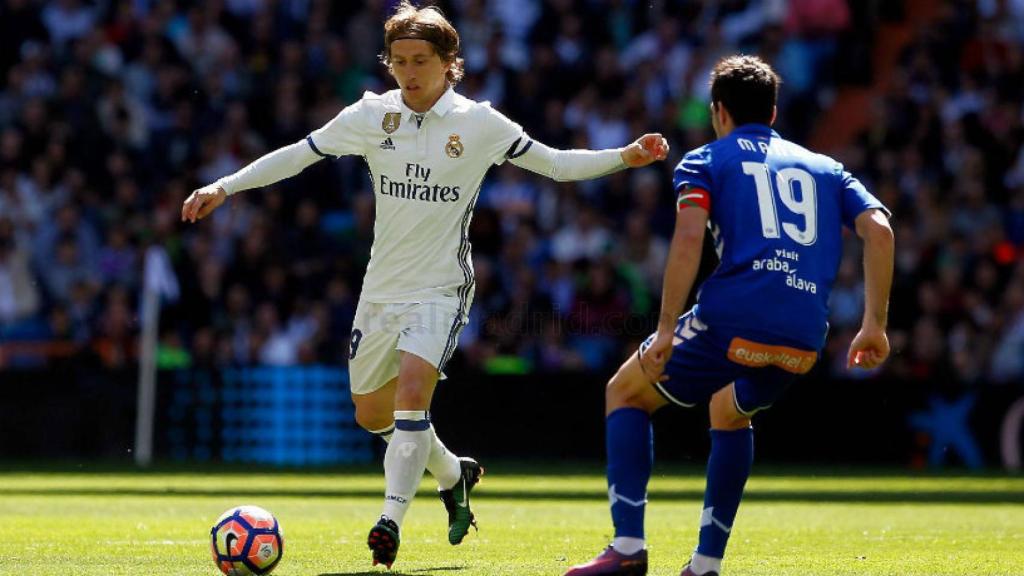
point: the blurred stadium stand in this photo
(111, 112)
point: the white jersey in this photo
(427, 170)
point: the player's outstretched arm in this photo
(569, 165)
(647, 149)
(870, 347)
(273, 167)
(680, 271)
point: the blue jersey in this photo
(777, 211)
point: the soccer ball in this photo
(246, 540)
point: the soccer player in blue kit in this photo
(776, 212)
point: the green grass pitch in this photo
(533, 521)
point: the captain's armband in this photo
(690, 197)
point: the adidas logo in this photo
(387, 144)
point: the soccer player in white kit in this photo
(427, 149)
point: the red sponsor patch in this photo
(757, 355)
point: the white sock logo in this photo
(406, 449)
(613, 497)
(707, 518)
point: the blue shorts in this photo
(705, 360)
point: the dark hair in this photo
(427, 23)
(747, 87)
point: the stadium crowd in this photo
(111, 112)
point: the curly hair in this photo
(747, 87)
(427, 23)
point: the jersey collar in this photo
(440, 108)
(754, 128)
(445, 102)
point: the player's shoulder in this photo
(477, 109)
(817, 160)
(372, 102)
(462, 103)
(698, 155)
(360, 116)
(695, 169)
(695, 166)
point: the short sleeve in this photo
(343, 135)
(693, 171)
(506, 139)
(855, 198)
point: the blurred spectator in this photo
(69, 273)
(19, 297)
(67, 20)
(643, 251)
(112, 112)
(586, 238)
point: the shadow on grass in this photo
(389, 573)
(834, 496)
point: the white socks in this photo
(701, 564)
(405, 461)
(627, 545)
(442, 464)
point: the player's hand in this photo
(647, 149)
(870, 347)
(201, 202)
(654, 359)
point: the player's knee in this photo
(371, 419)
(624, 390)
(413, 395)
(725, 415)
(728, 424)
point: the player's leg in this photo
(406, 457)
(373, 370)
(732, 454)
(432, 334)
(731, 458)
(630, 399)
(375, 412)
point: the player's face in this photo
(420, 72)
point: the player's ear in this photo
(385, 58)
(775, 111)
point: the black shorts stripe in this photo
(453, 337)
(453, 340)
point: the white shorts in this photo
(429, 330)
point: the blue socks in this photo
(732, 454)
(630, 453)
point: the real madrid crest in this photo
(454, 148)
(391, 121)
